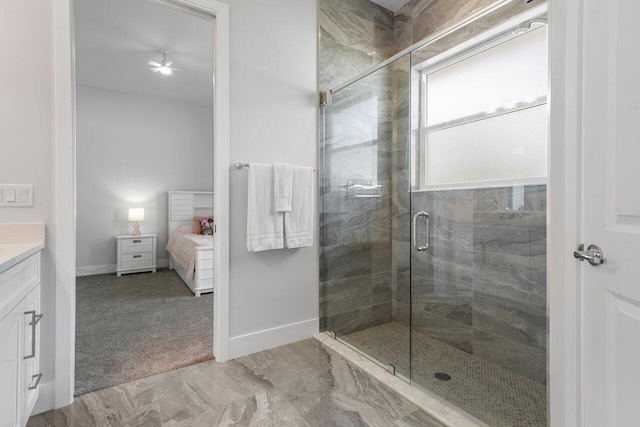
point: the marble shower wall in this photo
(355, 288)
(419, 19)
(355, 35)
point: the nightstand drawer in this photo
(139, 249)
(128, 265)
(147, 258)
(142, 241)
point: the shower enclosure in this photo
(433, 215)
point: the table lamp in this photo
(136, 214)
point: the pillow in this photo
(206, 225)
(197, 228)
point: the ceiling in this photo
(392, 5)
(115, 39)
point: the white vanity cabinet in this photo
(20, 320)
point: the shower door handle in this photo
(415, 231)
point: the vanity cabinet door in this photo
(10, 366)
(31, 374)
(19, 341)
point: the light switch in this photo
(16, 195)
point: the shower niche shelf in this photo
(363, 191)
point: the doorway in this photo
(145, 177)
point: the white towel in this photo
(282, 186)
(264, 225)
(298, 223)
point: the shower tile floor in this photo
(490, 393)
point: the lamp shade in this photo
(136, 214)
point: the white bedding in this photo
(182, 247)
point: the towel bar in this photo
(245, 165)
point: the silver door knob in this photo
(593, 254)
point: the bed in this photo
(196, 268)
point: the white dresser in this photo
(20, 321)
(136, 254)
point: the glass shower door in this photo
(478, 201)
(365, 204)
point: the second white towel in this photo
(298, 223)
(282, 186)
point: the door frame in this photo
(564, 373)
(62, 231)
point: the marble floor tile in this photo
(300, 384)
(305, 358)
(264, 409)
(219, 383)
(344, 395)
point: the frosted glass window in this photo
(507, 147)
(506, 74)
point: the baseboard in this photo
(46, 398)
(93, 270)
(270, 338)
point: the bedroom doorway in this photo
(144, 184)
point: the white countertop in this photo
(18, 242)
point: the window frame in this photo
(466, 50)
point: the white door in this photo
(611, 213)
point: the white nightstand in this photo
(136, 254)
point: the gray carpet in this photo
(136, 326)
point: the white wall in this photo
(130, 151)
(274, 108)
(26, 138)
(274, 118)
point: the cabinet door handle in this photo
(137, 241)
(137, 256)
(38, 377)
(35, 318)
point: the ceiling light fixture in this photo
(164, 68)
